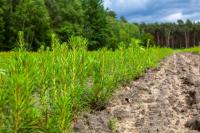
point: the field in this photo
(46, 91)
(164, 99)
(99, 66)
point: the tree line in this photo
(180, 34)
(39, 19)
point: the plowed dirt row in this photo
(164, 100)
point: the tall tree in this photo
(54, 12)
(123, 19)
(2, 23)
(5, 9)
(179, 34)
(188, 28)
(95, 25)
(66, 17)
(31, 17)
(111, 13)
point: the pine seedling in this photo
(21, 43)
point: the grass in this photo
(194, 50)
(47, 90)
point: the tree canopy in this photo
(180, 34)
(39, 19)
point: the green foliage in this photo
(123, 19)
(32, 18)
(38, 19)
(1, 27)
(47, 90)
(21, 42)
(147, 40)
(29, 16)
(120, 31)
(136, 44)
(3, 7)
(67, 17)
(77, 42)
(193, 49)
(95, 23)
(112, 125)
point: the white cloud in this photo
(179, 15)
(125, 6)
(107, 3)
(173, 17)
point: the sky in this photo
(150, 11)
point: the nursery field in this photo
(99, 66)
(46, 91)
(165, 99)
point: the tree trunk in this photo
(194, 39)
(168, 39)
(186, 42)
(173, 43)
(158, 38)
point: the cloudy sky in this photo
(155, 10)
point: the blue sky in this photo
(155, 10)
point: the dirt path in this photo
(164, 100)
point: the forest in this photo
(182, 34)
(39, 19)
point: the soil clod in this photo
(193, 124)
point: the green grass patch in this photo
(193, 50)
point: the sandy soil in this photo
(164, 100)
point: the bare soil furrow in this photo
(165, 100)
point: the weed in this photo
(112, 125)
